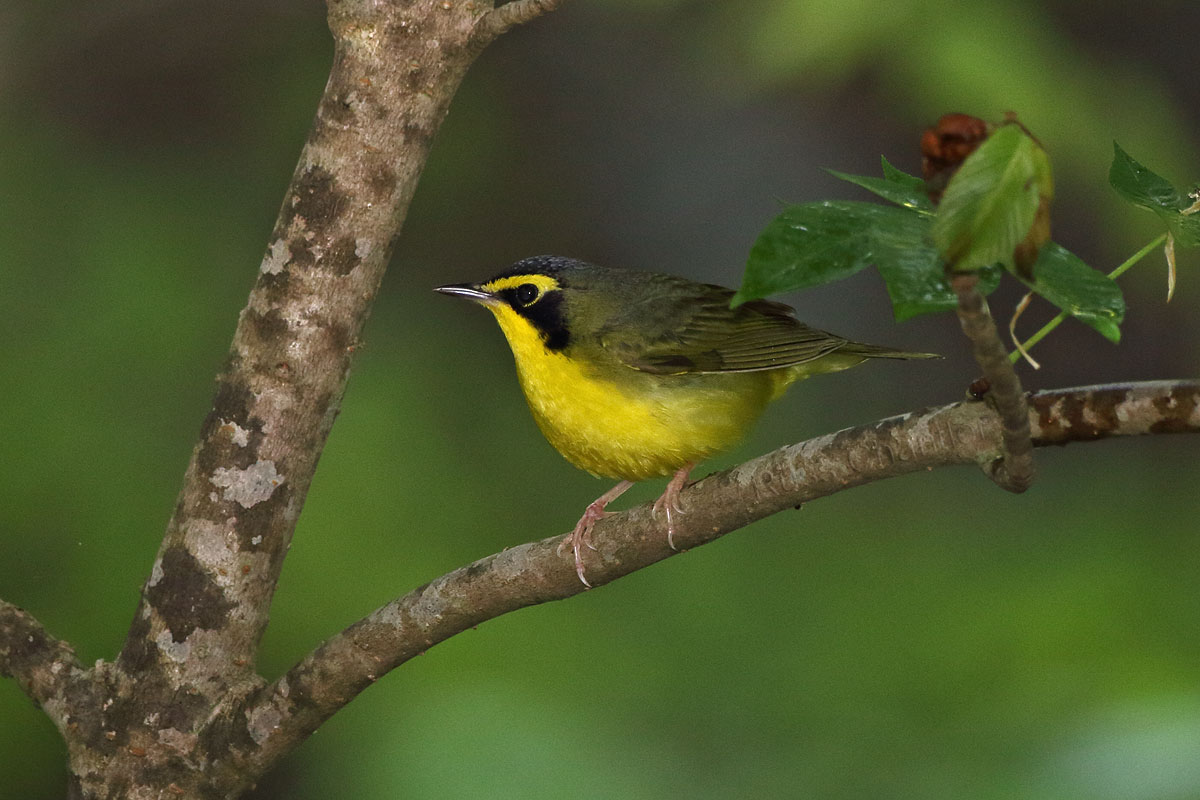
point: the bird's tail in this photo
(875, 351)
(848, 355)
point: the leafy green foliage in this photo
(1091, 297)
(1145, 189)
(912, 269)
(989, 205)
(895, 186)
(810, 244)
(815, 243)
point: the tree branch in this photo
(41, 664)
(518, 12)
(395, 69)
(1014, 469)
(962, 433)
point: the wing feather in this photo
(683, 327)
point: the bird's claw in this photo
(581, 536)
(668, 506)
(669, 502)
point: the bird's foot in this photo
(582, 535)
(669, 501)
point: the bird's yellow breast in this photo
(618, 422)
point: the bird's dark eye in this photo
(526, 293)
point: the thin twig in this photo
(1013, 470)
(509, 15)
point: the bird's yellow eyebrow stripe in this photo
(544, 283)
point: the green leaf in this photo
(919, 292)
(817, 243)
(912, 268)
(897, 175)
(990, 203)
(1141, 186)
(1087, 295)
(895, 186)
(1146, 189)
(808, 245)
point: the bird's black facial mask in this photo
(539, 299)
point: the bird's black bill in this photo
(468, 291)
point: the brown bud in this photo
(946, 145)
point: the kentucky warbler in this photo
(636, 375)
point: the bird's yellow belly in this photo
(639, 425)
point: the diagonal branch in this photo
(1013, 470)
(535, 573)
(153, 721)
(43, 665)
(396, 67)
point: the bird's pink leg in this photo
(582, 534)
(670, 500)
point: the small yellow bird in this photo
(635, 375)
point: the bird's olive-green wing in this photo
(689, 327)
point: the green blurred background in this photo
(928, 637)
